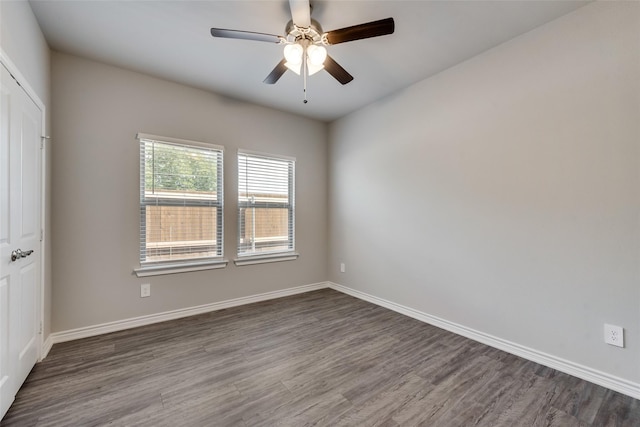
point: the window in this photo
(266, 207)
(181, 203)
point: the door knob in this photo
(18, 253)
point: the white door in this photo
(20, 128)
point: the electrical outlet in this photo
(342, 267)
(614, 335)
(145, 290)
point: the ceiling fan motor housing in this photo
(295, 33)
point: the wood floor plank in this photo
(557, 418)
(617, 411)
(391, 400)
(317, 359)
(303, 409)
(579, 399)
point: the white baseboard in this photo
(592, 375)
(46, 347)
(119, 325)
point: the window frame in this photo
(268, 256)
(152, 268)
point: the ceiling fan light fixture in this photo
(293, 54)
(313, 68)
(317, 55)
(293, 67)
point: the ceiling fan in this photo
(304, 43)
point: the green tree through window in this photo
(183, 169)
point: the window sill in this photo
(262, 259)
(182, 267)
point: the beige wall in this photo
(22, 41)
(504, 193)
(97, 111)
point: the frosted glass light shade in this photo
(294, 67)
(316, 54)
(293, 53)
(312, 68)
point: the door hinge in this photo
(41, 234)
(40, 331)
(16, 80)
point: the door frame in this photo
(43, 346)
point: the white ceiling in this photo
(171, 40)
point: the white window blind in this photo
(266, 204)
(181, 200)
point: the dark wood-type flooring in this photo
(321, 358)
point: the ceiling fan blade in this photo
(245, 35)
(338, 73)
(362, 31)
(300, 13)
(276, 73)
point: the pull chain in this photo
(304, 74)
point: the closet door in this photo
(20, 213)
